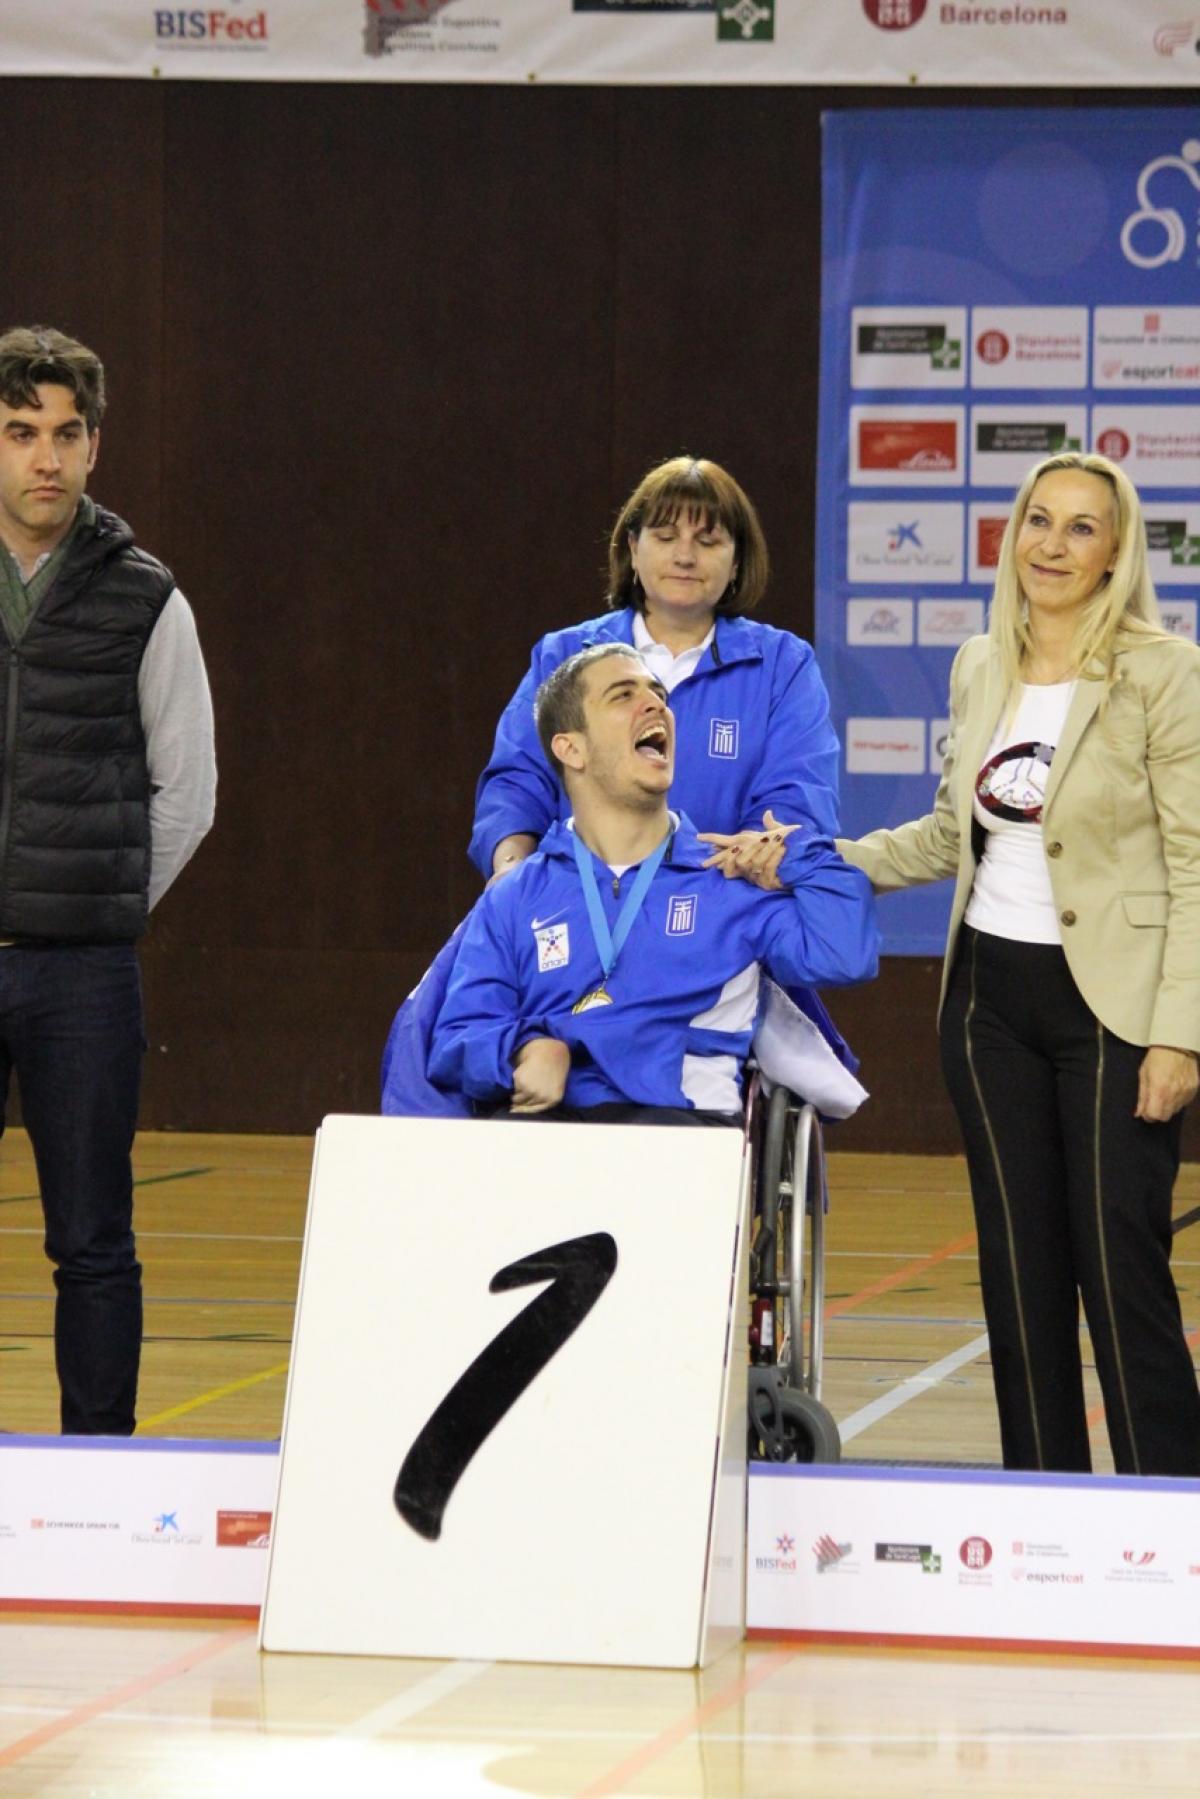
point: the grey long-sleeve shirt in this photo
(177, 719)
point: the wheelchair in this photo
(786, 1420)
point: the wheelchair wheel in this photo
(787, 1425)
(791, 1200)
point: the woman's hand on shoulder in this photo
(1167, 1081)
(752, 856)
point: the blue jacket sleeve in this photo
(798, 778)
(479, 1028)
(825, 933)
(517, 790)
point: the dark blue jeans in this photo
(71, 1026)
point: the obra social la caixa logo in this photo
(1156, 234)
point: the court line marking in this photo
(133, 1689)
(146, 1180)
(911, 1388)
(684, 1727)
(414, 1700)
(886, 1282)
(193, 1405)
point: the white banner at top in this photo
(864, 43)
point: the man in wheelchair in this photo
(613, 976)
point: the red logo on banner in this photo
(243, 1530)
(1114, 444)
(907, 444)
(993, 346)
(894, 15)
(988, 533)
(975, 1553)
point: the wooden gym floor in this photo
(138, 1708)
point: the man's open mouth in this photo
(652, 743)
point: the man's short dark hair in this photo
(32, 356)
(558, 704)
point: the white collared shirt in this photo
(665, 667)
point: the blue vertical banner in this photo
(997, 285)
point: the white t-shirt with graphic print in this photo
(1012, 896)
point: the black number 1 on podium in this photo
(578, 1272)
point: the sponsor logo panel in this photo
(243, 1530)
(1173, 539)
(907, 346)
(831, 1556)
(906, 446)
(939, 737)
(904, 542)
(224, 28)
(1141, 1567)
(167, 1530)
(1029, 346)
(885, 746)
(948, 622)
(1179, 617)
(975, 1554)
(894, 15)
(915, 1555)
(1007, 440)
(1156, 232)
(783, 1558)
(985, 530)
(1157, 445)
(1139, 346)
(422, 29)
(882, 623)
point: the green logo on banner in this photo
(1185, 552)
(946, 355)
(746, 22)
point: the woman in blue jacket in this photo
(687, 561)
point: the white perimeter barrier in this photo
(142, 1524)
(514, 1429)
(975, 1558)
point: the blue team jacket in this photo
(752, 730)
(685, 987)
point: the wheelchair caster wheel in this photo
(787, 1425)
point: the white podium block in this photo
(515, 1424)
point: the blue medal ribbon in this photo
(609, 943)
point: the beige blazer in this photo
(1121, 831)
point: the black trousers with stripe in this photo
(1072, 1199)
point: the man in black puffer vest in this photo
(107, 783)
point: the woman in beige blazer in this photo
(1069, 814)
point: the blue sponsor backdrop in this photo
(996, 284)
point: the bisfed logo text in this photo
(211, 25)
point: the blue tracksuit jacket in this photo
(752, 730)
(685, 987)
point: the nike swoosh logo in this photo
(535, 924)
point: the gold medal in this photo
(598, 998)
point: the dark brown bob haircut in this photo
(32, 356)
(558, 703)
(704, 491)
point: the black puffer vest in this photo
(74, 787)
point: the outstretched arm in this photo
(825, 934)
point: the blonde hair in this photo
(1122, 612)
